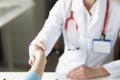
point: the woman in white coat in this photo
(90, 29)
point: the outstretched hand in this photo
(40, 61)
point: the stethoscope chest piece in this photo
(71, 32)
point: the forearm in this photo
(39, 65)
(38, 69)
(39, 61)
(100, 71)
(113, 68)
(32, 76)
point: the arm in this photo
(37, 69)
(85, 72)
(113, 68)
(51, 31)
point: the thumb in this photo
(31, 60)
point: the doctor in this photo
(90, 29)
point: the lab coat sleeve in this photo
(51, 29)
(113, 68)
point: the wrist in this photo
(101, 71)
(41, 60)
(36, 46)
(39, 44)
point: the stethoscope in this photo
(71, 18)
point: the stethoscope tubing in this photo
(103, 35)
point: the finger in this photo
(75, 69)
(30, 62)
(80, 73)
(74, 74)
(77, 72)
(42, 45)
(80, 76)
(33, 59)
(77, 76)
(30, 56)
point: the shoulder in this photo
(115, 3)
(114, 11)
(65, 3)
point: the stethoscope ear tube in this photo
(71, 18)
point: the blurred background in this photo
(20, 21)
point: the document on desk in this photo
(46, 76)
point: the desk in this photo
(46, 76)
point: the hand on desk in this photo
(83, 72)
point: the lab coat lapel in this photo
(78, 9)
(77, 5)
(98, 17)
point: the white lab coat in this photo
(89, 28)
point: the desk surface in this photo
(46, 76)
